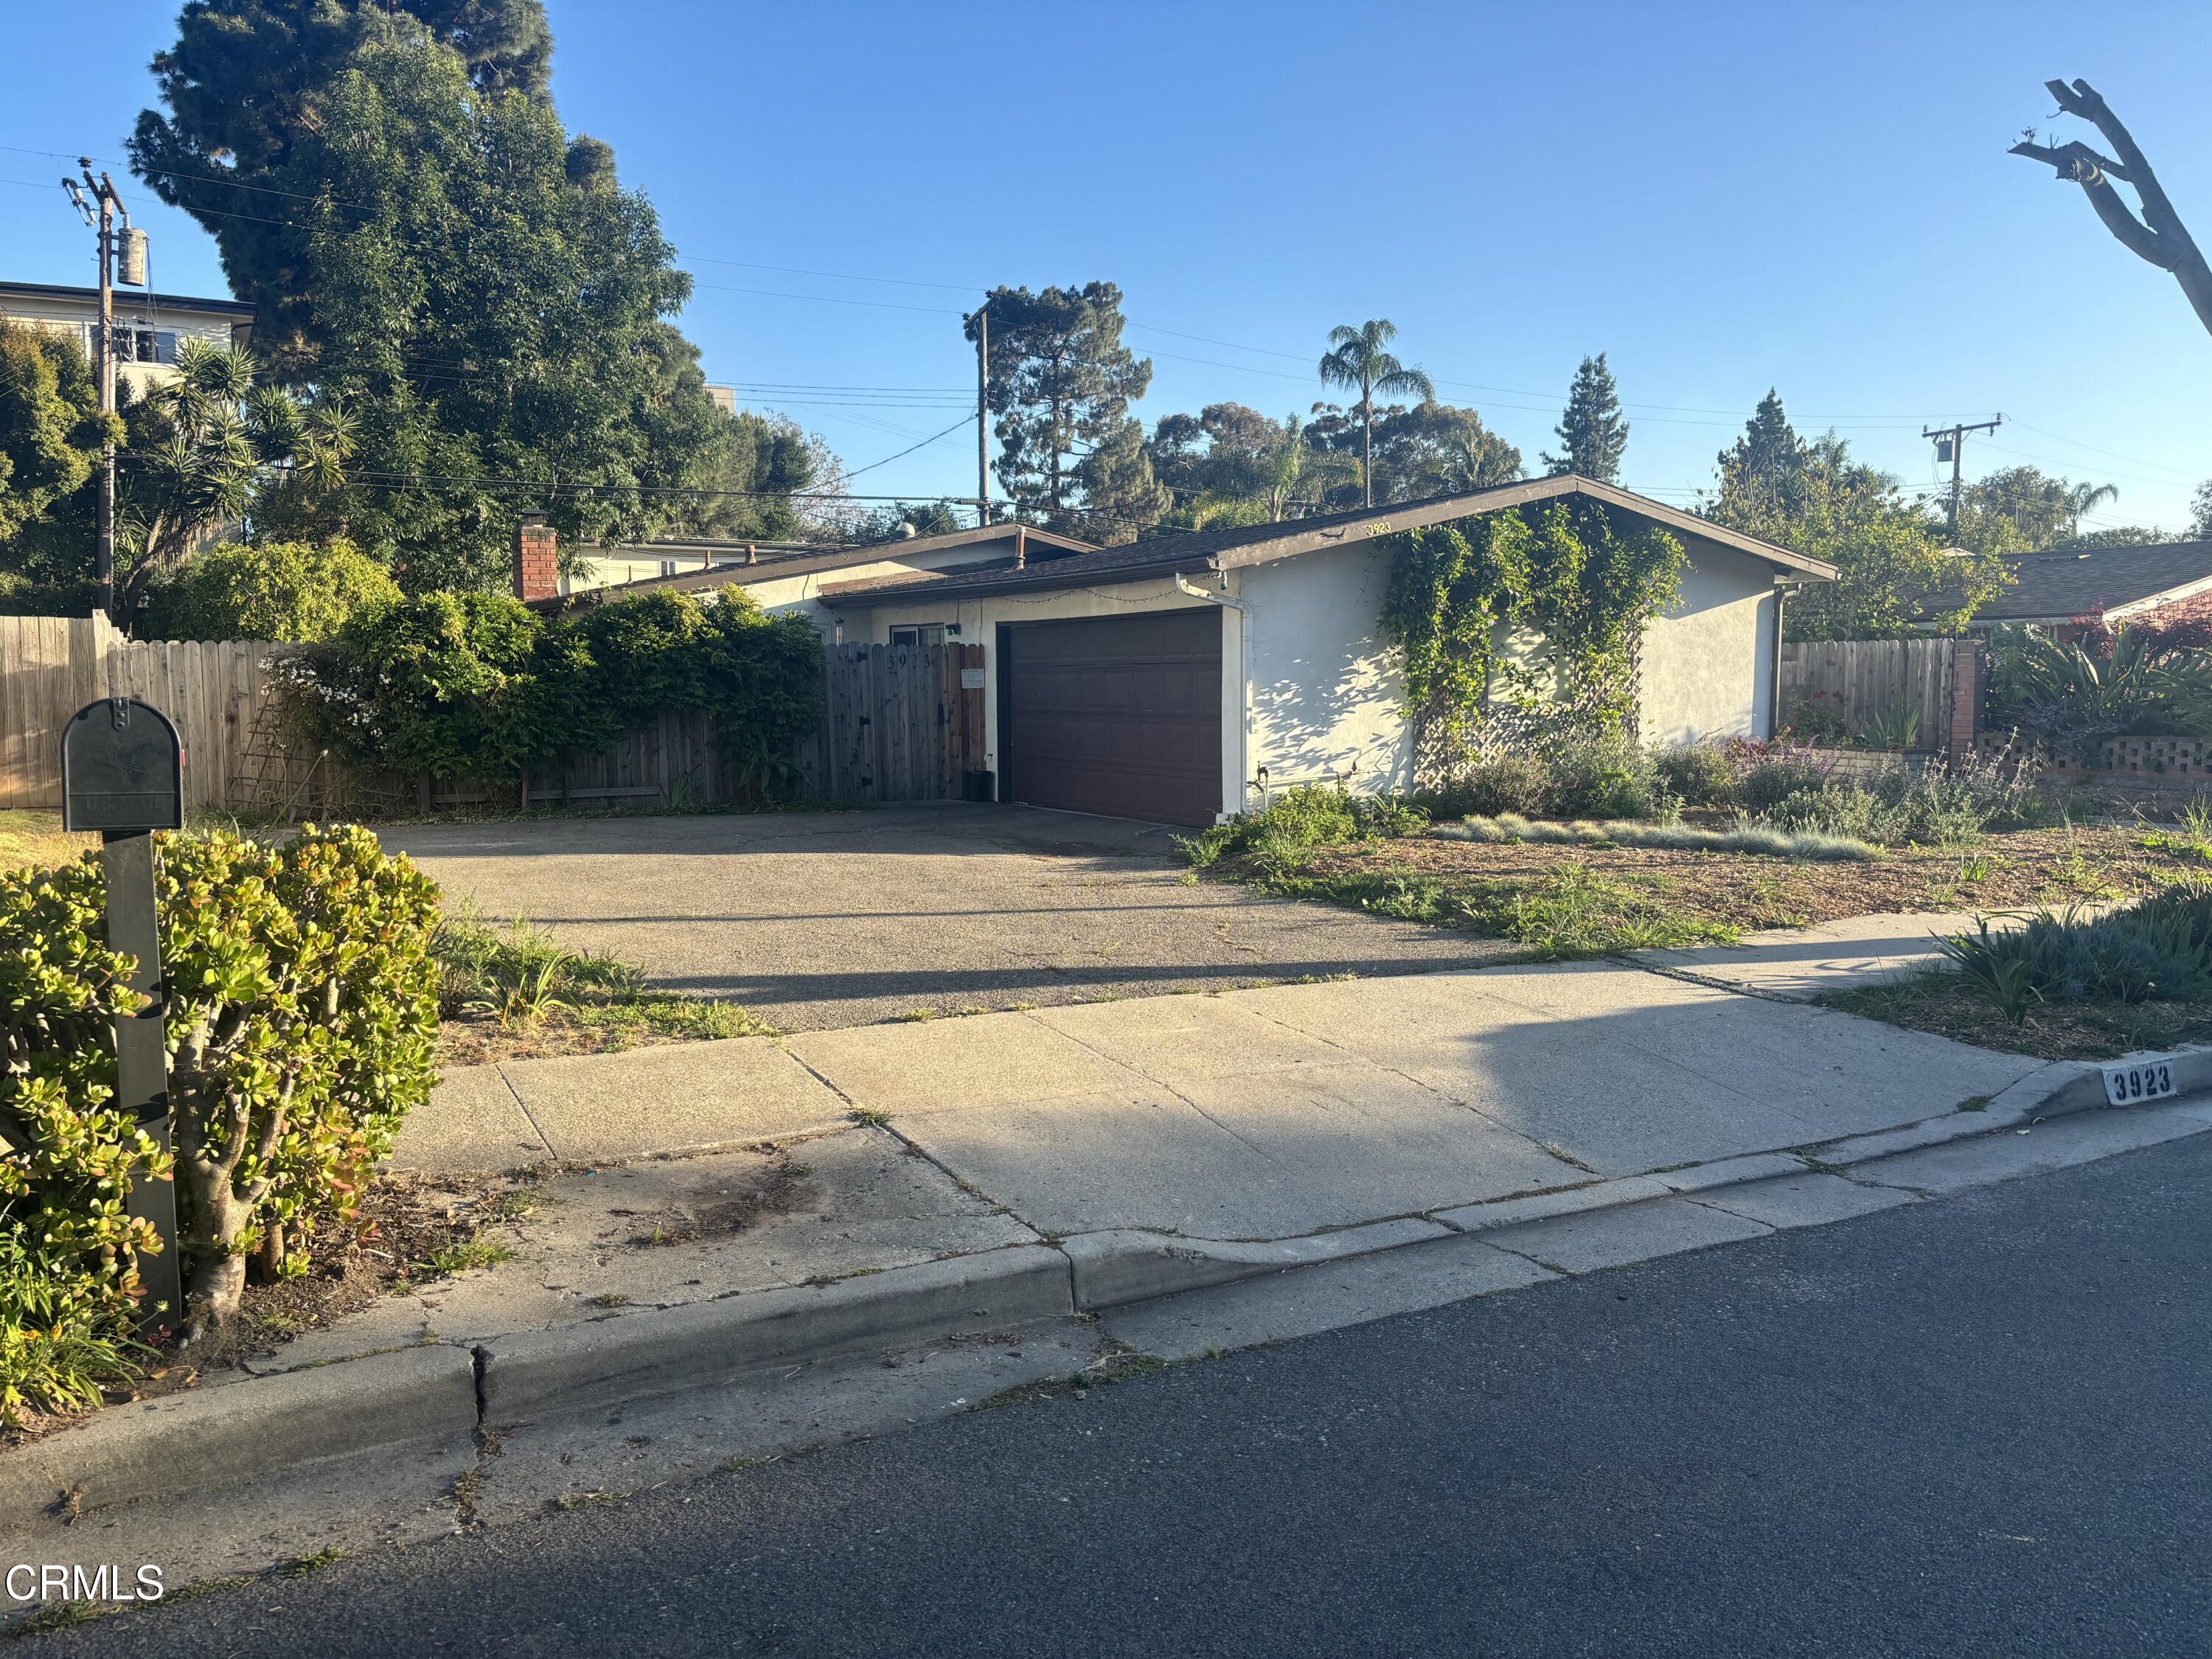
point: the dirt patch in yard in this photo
(1948, 1007)
(410, 1232)
(1474, 883)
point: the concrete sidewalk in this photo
(1801, 963)
(1263, 1114)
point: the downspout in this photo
(1782, 590)
(1243, 674)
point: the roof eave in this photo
(1387, 521)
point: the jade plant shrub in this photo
(302, 1014)
(69, 1278)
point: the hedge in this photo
(478, 685)
(302, 1015)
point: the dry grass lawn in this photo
(1744, 892)
(38, 840)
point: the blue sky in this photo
(1721, 198)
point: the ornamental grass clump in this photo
(301, 1016)
(1507, 827)
(2158, 948)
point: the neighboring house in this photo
(1178, 679)
(2159, 582)
(640, 562)
(787, 576)
(149, 327)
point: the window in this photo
(668, 567)
(918, 634)
(145, 345)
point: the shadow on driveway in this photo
(820, 919)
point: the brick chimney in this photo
(536, 561)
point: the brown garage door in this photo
(1120, 715)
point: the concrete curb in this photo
(1112, 1269)
(238, 1430)
(667, 1349)
(259, 1427)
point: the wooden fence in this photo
(1865, 679)
(900, 723)
(51, 666)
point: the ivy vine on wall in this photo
(1567, 574)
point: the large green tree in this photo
(203, 451)
(2020, 508)
(1062, 384)
(1408, 452)
(1592, 433)
(244, 88)
(51, 435)
(50, 429)
(479, 290)
(1360, 360)
(1895, 573)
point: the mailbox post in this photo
(123, 775)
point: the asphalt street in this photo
(1978, 1426)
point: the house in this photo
(788, 577)
(641, 562)
(149, 327)
(2165, 582)
(1179, 679)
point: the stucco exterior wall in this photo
(1311, 691)
(1326, 688)
(1708, 663)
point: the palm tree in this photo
(2082, 498)
(1360, 362)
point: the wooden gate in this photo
(902, 722)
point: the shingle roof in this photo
(1044, 545)
(2111, 580)
(1244, 544)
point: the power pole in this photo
(982, 320)
(1951, 446)
(100, 212)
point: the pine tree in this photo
(1592, 434)
(1120, 493)
(249, 82)
(1769, 455)
(474, 284)
(1061, 384)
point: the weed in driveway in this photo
(541, 997)
(458, 1258)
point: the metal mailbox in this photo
(123, 775)
(123, 768)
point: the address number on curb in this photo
(2151, 1080)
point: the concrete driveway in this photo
(817, 920)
